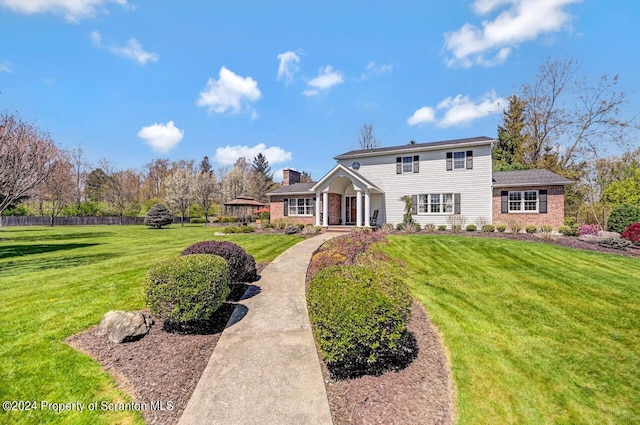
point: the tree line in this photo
(38, 178)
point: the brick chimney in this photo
(290, 177)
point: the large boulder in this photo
(125, 326)
(601, 236)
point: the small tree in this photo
(158, 216)
(407, 217)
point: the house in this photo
(242, 205)
(452, 177)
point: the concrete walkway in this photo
(265, 368)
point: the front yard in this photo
(536, 333)
(55, 282)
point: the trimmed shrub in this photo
(588, 229)
(622, 217)
(158, 216)
(242, 266)
(531, 228)
(442, 227)
(232, 219)
(567, 231)
(215, 220)
(187, 289)
(197, 220)
(290, 229)
(615, 243)
(488, 228)
(471, 227)
(501, 228)
(359, 316)
(632, 233)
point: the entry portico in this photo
(347, 198)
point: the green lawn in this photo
(536, 333)
(55, 282)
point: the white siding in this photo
(474, 186)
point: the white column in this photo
(343, 209)
(325, 209)
(358, 208)
(318, 208)
(367, 208)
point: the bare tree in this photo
(179, 191)
(122, 190)
(27, 155)
(156, 172)
(568, 122)
(366, 138)
(57, 190)
(79, 166)
(204, 190)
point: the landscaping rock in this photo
(601, 236)
(125, 326)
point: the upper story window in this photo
(460, 160)
(407, 164)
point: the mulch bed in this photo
(422, 393)
(162, 366)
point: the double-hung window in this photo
(301, 206)
(407, 164)
(523, 201)
(459, 160)
(435, 203)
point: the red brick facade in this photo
(277, 211)
(335, 209)
(555, 208)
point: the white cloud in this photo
(161, 137)
(288, 66)
(6, 66)
(461, 110)
(423, 115)
(72, 10)
(228, 91)
(132, 50)
(229, 154)
(326, 79)
(375, 70)
(523, 20)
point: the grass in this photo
(536, 333)
(55, 282)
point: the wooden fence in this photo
(73, 221)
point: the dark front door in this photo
(351, 212)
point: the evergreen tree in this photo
(262, 177)
(158, 216)
(205, 166)
(508, 152)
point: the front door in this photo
(351, 212)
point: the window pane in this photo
(447, 202)
(435, 203)
(423, 203)
(459, 160)
(407, 164)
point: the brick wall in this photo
(277, 211)
(555, 209)
(335, 207)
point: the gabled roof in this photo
(293, 189)
(539, 177)
(341, 170)
(457, 143)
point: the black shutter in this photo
(286, 207)
(456, 203)
(449, 161)
(399, 165)
(414, 201)
(469, 160)
(504, 201)
(542, 201)
(416, 162)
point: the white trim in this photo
(401, 150)
(441, 203)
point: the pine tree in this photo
(205, 166)
(158, 216)
(262, 177)
(508, 152)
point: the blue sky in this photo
(134, 80)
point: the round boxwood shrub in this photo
(531, 228)
(158, 216)
(501, 228)
(359, 316)
(621, 217)
(187, 289)
(242, 266)
(471, 227)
